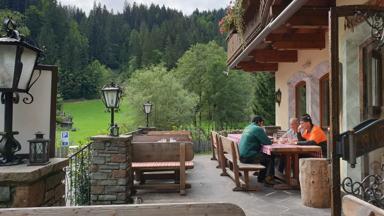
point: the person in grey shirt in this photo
(293, 129)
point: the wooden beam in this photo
(306, 17)
(296, 37)
(297, 40)
(299, 45)
(256, 66)
(271, 55)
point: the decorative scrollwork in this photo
(370, 189)
(28, 99)
(376, 21)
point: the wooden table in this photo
(291, 154)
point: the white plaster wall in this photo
(30, 118)
(310, 62)
(349, 48)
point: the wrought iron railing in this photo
(78, 191)
(78, 177)
(370, 189)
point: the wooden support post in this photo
(182, 169)
(334, 112)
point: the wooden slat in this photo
(195, 209)
(270, 55)
(256, 66)
(182, 169)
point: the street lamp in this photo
(111, 98)
(17, 62)
(147, 110)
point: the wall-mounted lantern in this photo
(278, 96)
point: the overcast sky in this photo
(187, 6)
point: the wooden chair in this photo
(280, 133)
(230, 154)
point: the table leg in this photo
(296, 167)
(288, 165)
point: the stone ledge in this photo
(107, 137)
(23, 173)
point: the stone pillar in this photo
(111, 173)
(33, 186)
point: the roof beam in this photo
(306, 17)
(295, 37)
(256, 66)
(271, 55)
(299, 45)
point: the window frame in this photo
(321, 96)
(297, 100)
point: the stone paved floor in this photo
(209, 186)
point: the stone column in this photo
(111, 174)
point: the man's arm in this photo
(262, 136)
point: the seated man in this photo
(292, 135)
(312, 134)
(293, 129)
(250, 145)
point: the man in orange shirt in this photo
(312, 134)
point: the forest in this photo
(156, 53)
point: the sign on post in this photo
(64, 138)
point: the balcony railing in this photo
(255, 19)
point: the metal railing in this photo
(78, 190)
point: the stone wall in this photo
(111, 174)
(33, 186)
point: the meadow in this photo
(91, 118)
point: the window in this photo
(324, 101)
(301, 99)
(372, 75)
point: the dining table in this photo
(291, 152)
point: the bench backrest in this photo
(187, 209)
(230, 147)
(161, 152)
(214, 137)
(155, 138)
(182, 132)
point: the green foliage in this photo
(96, 75)
(173, 105)
(18, 18)
(223, 99)
(264, 103)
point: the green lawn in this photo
(90, 118)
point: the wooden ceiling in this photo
(304, 30)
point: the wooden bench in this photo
(158, 138)
(187, 209)
(232, 166)
(150, 157)
(214, 146)
(353, 206)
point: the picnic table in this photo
(291, 154)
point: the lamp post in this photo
(111, 98)
(147, 110)
(17, 62)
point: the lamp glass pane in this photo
(28, 58)
(7, 65)
(110, 95)
(147, 107)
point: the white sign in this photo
(64, 138)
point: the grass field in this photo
(90, 118)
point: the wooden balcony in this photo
(255, 19)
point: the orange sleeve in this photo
(317, 135)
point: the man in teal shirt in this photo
(250, 145)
